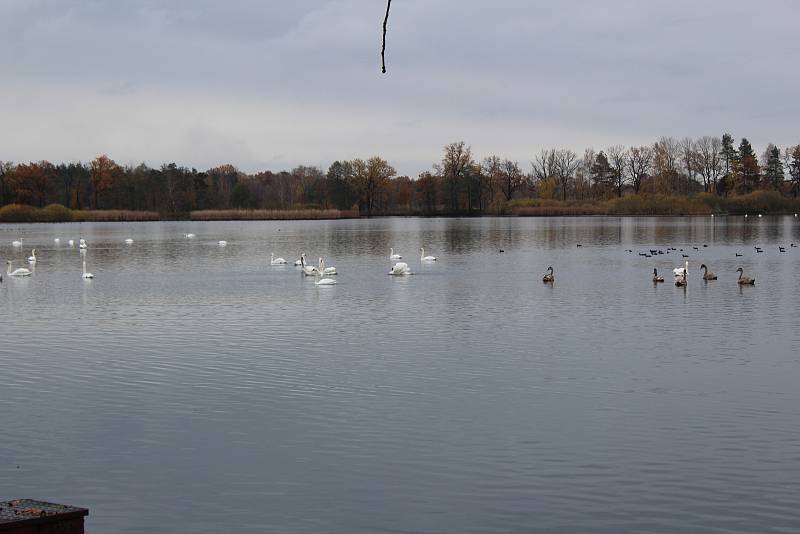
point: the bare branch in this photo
(383, 46)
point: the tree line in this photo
(459, 183)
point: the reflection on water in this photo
(195, 388)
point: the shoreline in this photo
(700, 205)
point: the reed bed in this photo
(271, 215)
(115, 216)
(767, 202)
(22, 213)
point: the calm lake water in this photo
(195, 388)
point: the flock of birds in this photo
(320, 271)
(23, 271)
(399, 268)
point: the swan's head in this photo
(740, 270)
(550, 269)
(703, 266)
(655, 271)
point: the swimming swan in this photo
(393, 256)
(323, 281)
(86, 276)
(276, 261)
(19, 272)
(707, 275)
(548, 277)
(129, 241)
(400, 269)
(307, 270)
(17, 243)
(222, 243)
(425, 258)
(744, 280)
(82, 243)
(656, 278)
(680, 277)
(32, 257)
(326, 270)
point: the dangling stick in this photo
(383, 47)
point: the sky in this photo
(271, 84)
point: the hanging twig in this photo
(383, 47)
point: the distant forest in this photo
(460, 183)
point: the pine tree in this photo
(747, 171)
(773, 169)
(794, 170)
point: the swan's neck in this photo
(740, 274)
(422, 253)
(84, 266)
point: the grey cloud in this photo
(510, 76)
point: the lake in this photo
(195, 388)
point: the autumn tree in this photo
(102, 173)
(369, 180)
(456, 168)
(666, 155)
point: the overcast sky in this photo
(269, 84)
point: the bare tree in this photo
(512, 176)
(707, 161)
(618, 158)
(491, 178)
(687, 160)
(566, 163)
(640, 163)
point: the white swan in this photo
(323, 281)
(188, 236)
(71, 243)
(17, 243)
(308, 270)
(32, 257)
(393, 256)
(400, 269)
(129, 241)
(326, 270)
(425, 258)
(680, 271)
(19, 272)
(86, 275)
(56, 241)
(299, 263)
(222, 243)
(276, 261)
(82, 243)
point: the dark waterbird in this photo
(707, 275)
(685, 255)
(548, 277)
(656, 278)
(738, 255)
(744, 280)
